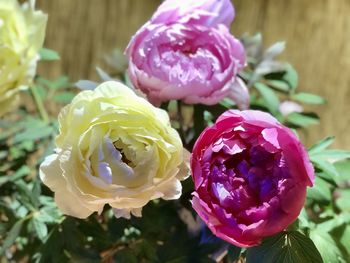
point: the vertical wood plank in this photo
(317, 33)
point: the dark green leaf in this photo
(233, 253)
(125, 255)
(286, 247)
(12, 235)
(27, 197)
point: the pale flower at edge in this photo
(22, 32)
(113, 148)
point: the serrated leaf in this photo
(48, 54)
(40, 228)
(11, 236)
(270, 97)
(286, 247)
(326, 245)
(308, 98)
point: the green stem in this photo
(179, 113)
(39, 104)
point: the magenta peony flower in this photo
(186, 52)
(250, 175)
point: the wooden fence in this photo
(317, 33)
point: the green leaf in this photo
(49, 215)
(286, 247)
(326, 167)
(125, 255)
(227, 103)
(233, 253)
(27, 197)
(279, 85)
(326, 245)
(321, 145)
(342, 201)
(58, 83)
(337, 221)
(308, 98)
(269, 96)
(345, 238)
(12, 235)
(291, 77)
(34, 133)
(343, 168)
(302, 120)
(332, 155)
(320, 192)
(40, 228)
(48, 54)
(64, 97)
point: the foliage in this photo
(33, 229)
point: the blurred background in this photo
(317, 33)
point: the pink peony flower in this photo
(250, 175)
(203, 12)
(186, 52)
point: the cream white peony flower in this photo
(113, 148)
(22, 32)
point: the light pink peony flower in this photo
(204, 12)
(250, 175)
(186, 52)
